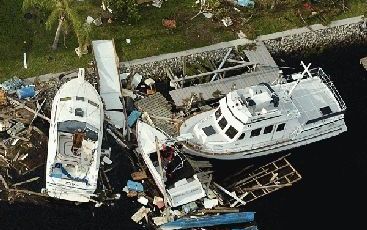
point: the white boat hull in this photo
(306, 137)
(72, 171)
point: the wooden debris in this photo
(17, 103)
(3, 98)
(230, 194)
(140, 214)
(363, 62)
(3, 181)
(140, 175)
(116, 138)
(218, 210)
(26, 182)
(264, 180)
(214, 72)
(159, 157)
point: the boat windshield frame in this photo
(72, 126)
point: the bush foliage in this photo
(125, 10)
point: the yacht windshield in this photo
(72, 127)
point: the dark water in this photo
(331, 195)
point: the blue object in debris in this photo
(206, 221)
(254, 227)
(189, 207)
(133, 117)
(26, 91)
(136, 186)
(246, 3)
(12, 84)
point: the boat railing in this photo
(326, 79)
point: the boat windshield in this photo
(72, 127)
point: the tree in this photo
(63, 12)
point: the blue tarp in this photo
(11, 84)
(133, 117)
(206, 221)
(59, 170)
(26, 91)
(246, 3)
(136, 186)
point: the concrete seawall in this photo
(312, 38)
(304, 40)
(301, 40)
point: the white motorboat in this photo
(75, 139)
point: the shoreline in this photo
(300, 41)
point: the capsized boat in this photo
(264, 118)
(75, 139)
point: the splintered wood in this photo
(264, 180)
(363, 62)
(3, 98)
(158, 108)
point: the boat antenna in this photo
(299, 77)
(81, 74)
(306, 69)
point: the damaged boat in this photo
(171, 171)
(75, 139)
(264, 118)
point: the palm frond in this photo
(53, 18)
(43, 4)
(77, 25)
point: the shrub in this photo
(125, 10)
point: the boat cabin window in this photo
(325, 110)
(218, 113)
(255, 132)
(65, 99)
(93, 103)
(242, 136)
(222, 123)
(209, 130)
(72, 126)
(231, 132)
(268, 129)
(280, 127)
(79, 112)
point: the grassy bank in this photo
(148, 36)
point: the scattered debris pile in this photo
(22, 144)
(178, 191)
(25, 109)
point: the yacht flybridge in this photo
(75, 138)
(264, 119)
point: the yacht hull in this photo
(314, 134)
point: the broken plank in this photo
(213, 72)
(15, 102)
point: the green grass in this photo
(148, 36)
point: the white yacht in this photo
(264, 119)
(75, 139)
